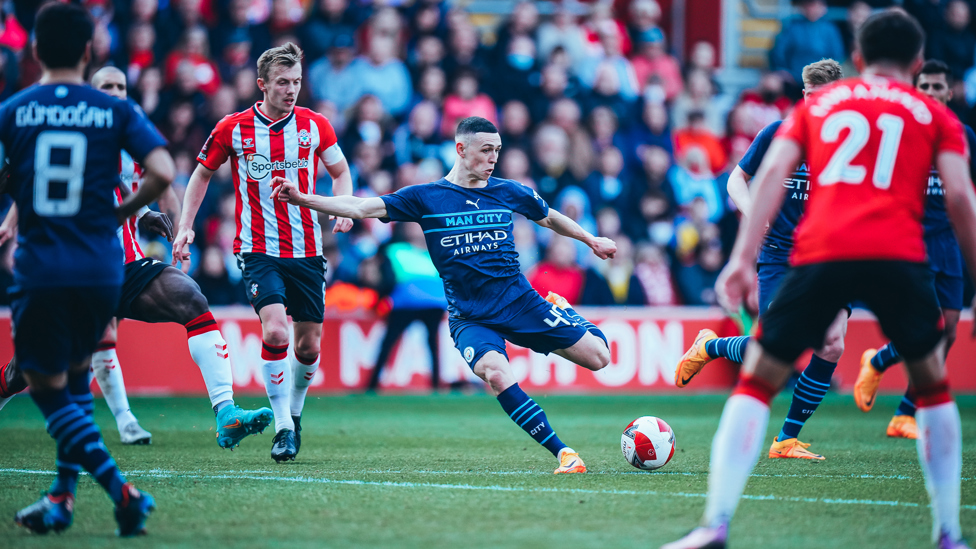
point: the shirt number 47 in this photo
(557, 319)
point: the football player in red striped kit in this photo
(278, 246)
(153, 292)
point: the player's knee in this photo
(194, 305)
(833, 349)
(275, 334)
(494, 369)
(950, 332)
(308, 346)
(600, 357)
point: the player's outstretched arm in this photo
(157, 177)
(169, 203)
(738, 187)
(352, 207)
(196, 189)
(737, 281)
(603, 248)
(341, 186)
(960, 204)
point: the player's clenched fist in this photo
(285, 191)
(604, 248)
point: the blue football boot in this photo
(235, 423)
(47, 514)
(132, 512)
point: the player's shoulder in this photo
(508, 184)
(235, 118)
(318, 118)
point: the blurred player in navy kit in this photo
(945, 260)
(63, 140)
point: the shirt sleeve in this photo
(795, 126)
(407, 204)
(951, 138)
(140, 137)
(528, 202)
(757, 150)
(217, 148)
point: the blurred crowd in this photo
(595, 111)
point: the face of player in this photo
(480, 155)
(112, 83)
(935, 86)
(281, 90)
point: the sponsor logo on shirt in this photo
(259, 167)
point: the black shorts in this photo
(138, 275)
(900, 293)
(297, 283)
(56, 327)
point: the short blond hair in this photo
(821, 72)
(286, 55)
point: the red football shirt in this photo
(870, 143)
(260, 148)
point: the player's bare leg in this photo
(277, 379)
(12, 381)
(108, 374)
(494, 368)
(590, 352)
(172, 296)
(737, 443)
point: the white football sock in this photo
(735, 451)
(209, 351)
(940, 453)
(302, 374)
(277, 383)
(108, 374)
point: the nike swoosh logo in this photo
(571, 464)
(685, 381)
(235, 425)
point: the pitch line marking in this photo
(495, 488)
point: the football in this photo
(647, 443)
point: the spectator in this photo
(928, 12)
(194, 48)
(697, 281)
(603, 127)
(768, 102)
(9, 72)
(429, 52)
(554, 84)
(562, 32)
(654, 275)
(328, 20)
(381, 74)
(857, 14)
(432, 86)
(619, 274)
(245, 89)
(514, 129)
(515, 165)
(560, 273)
(466, 101)
(239, 28)
(805, 40)
(700, 97)
(521, 25)
(611, 186)
(653, 66)
(703, 58)
(610, 59)
(601, 21)
(607, 92)
(652, 130)
(332, 78)
(566, 114)
(214, 281)
(692, 179)
(516, 75)
(419, 137)
(698, 136)
(643, 15)
(141, 38)
(955, 43)
(464, 53)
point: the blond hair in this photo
(286, 55)
(821, 72)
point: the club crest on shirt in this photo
(248, 142)
(304, 139)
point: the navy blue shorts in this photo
(529, 321)
(297, 283)
(945, 259)
(57, 327)
(770, 277)
(138, 275)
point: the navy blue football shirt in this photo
(936, 219)
(778, 243)
(469, 237)
(63, 142)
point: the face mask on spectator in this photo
(520, 61)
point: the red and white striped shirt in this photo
(260, 148)
(130, 172)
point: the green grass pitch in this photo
(453, 471)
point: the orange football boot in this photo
(792, 448)
(569, 462)
(694, 359)
(903, 427)
(868, 380)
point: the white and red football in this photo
(647, 443)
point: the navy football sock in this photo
(732, 348)
(907, 405)
(79, 440)
(529, 416)
(886, 357)
(590, 327)
(67, 478)
(807, 395)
